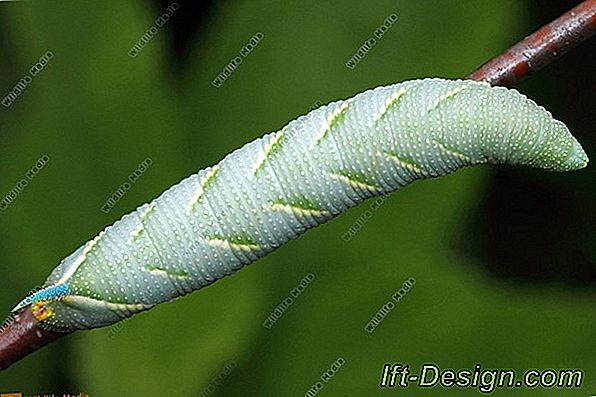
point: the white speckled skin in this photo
(275, 188)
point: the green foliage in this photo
(96, 112)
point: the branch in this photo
(22, 335)
(541, 47)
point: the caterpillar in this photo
(276, 187)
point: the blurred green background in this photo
(504, 258)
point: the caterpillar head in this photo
(559, 150)
(534, 138)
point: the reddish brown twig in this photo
(540, 48)
(23, 335)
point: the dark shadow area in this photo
(536, 227)
(188, 26)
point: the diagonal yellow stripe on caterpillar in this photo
(163, 272)
(446, 97)
(86, 303)
(391, 102)
(405, 162)
(357, 181)
(243, 243)
(204, 182)
(451, 150)
(334, 119)
(300, 208)
(272, 146)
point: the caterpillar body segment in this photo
(275, 188)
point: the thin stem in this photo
(541, 47)
(22, 336)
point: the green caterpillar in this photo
(275, 188)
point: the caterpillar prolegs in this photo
(275, 188)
